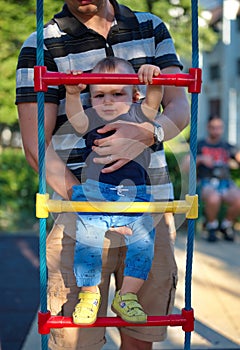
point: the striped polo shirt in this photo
(139, 37)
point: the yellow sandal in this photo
(128, 308)
(86, 310)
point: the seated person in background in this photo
(216, 186)
(112, 103)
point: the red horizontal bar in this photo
(46, 322)
(43, 78)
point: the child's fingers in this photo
(82, 86)
(156, 71)
(147, 72)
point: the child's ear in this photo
(136, 95)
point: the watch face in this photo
(158, 133)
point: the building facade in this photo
(221, 73)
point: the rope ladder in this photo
(44, 205)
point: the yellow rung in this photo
(44, 205)
(114, 207)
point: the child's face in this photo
(110, 101)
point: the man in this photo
(84, 32)
(216, 186)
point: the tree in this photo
(18, 20)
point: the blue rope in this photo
(192, 173)
(42, 171)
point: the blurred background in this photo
(219, 38)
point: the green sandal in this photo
(128, 308)
(86, 310)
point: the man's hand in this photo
(128, 141)
(206, 160)
(122, 230)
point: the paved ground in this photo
(19, 291)
(215, 296)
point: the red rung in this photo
(43, 78)
(46, 322)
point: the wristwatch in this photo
(158, 133)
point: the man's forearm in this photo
(58, 176)
(174, 119)
(176, 110)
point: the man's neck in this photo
(213, 141)
(100, 21)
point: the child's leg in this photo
(140, 249)
(90, 232)
(87, 267)
(92, 289)
(131, 285)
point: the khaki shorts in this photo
(156, 296)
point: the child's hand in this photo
(75, 89)
(147, 71)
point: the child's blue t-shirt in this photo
(135, 171)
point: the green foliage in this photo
(18, 20)
(235, 176)
(174, 163)
(18, 183)
(135, 5)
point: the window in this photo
(215, 106)
(214, 72)
(238, 23)
(238, 67)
